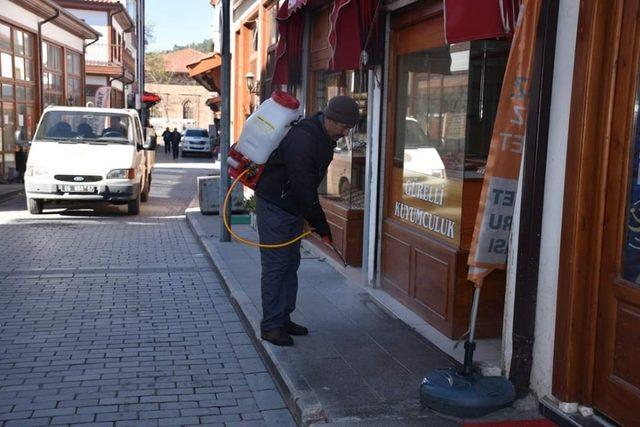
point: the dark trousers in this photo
(279, 280)
(176, 149)
(167, 146)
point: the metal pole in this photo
(143, 110)
(225, 124)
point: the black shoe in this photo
(295, 329)
(277, 336)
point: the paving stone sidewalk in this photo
(112, 320)
(359, 365)
(9, 190)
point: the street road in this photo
(110, 319)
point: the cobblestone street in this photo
(110, 319)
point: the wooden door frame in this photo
(592, 143)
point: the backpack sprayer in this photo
(260, 136)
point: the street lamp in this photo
(253, 85)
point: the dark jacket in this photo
(175, 137)
(295, 170)
(166, 135)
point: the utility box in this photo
(209, 196)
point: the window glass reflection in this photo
(446, 103)
(631, 249)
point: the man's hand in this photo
(327, 240)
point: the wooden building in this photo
(42, 49)
(111, 61)
(403, 190)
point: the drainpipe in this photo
(123, 49)
(39, 50)
(225, 122)
(110, 20)
(531, 207)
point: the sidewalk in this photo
(358, 365)
(9, 190)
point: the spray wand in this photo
(225, 220)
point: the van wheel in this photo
(35, 206)
(144, 195)
(133, 206)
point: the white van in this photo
(88, 155)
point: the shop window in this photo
(52, 75)
(344, 182)
(6, 65)
(631, 248)
(7, 146)
(18, 95)
(5, 37)
(74, 78)
(7, 91)
(446, 101)
(90, 94)
(187, 111)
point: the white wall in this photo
(541, 374)
(542, 369)
(29, 20)
(98, 20)
(96, 80)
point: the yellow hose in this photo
(250, 242)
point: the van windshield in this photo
(83, 126)
(197, 133)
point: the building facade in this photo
(111, 61)
(403, 190)
(183, 100)
(41, 63)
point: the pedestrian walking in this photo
(175, 142)
(166, 137)
(21, 163)
(287, 194)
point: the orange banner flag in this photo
(489, 245)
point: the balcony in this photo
(109, 59)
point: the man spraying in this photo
(287, 194)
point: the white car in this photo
(88, 155)
(196, 140)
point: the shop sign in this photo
(103, 97)
(431, 204)
(427, 220)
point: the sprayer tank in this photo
(266, 127)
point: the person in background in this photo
(166, 137)
(21, 163)
(175, 142)
(287, 194)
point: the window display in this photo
(344, 183)
(18, 95)
(631, 250)
(446, 103)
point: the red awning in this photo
(354, 27)
(479, 19)
(150, 98)
(288, 63)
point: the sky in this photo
(178, 22)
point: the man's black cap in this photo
(343, 109)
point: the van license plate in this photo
(77, 188)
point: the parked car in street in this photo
(196, 140)
(88, 155)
